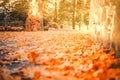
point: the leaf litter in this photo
(54, 55)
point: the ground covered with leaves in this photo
(54, 55)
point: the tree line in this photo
(64, 12)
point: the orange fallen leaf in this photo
(33, 56)
(36, 76)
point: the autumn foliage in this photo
(54, 55)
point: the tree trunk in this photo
(116, 29)
(6, 18)
(104, 22)
(56, 11)
(34, 21)
(74, 14)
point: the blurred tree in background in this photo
(19, 12)
(63, 12)
(5, 6)
(67, 12)
(13, 13)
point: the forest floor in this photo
(55, 55)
